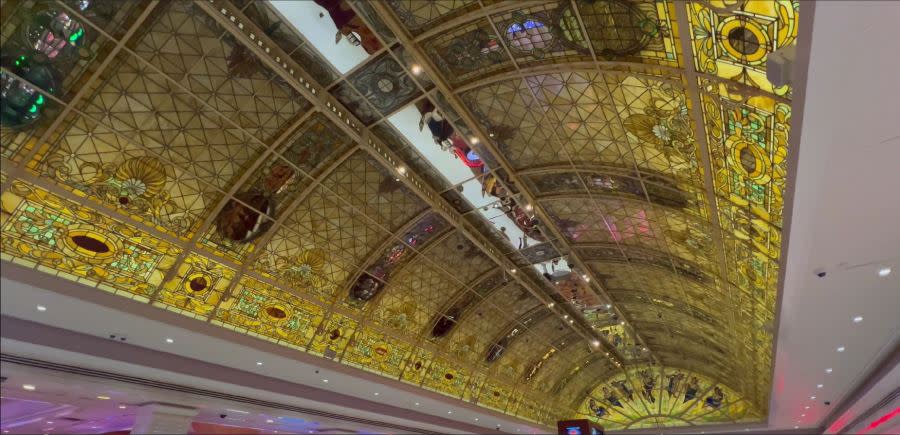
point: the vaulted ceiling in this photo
(208, 159)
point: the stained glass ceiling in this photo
(587, 222)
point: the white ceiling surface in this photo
(19, 300)
(78, 397)
(846, 214)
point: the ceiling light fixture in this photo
(29, 387)
(417, 403)
(401, 170)
(41, 308)
(622, 323)
(608, 306)
(595, 343)
(806, 407)
(529, 207)
(103, 397)
(416, 69)
(812, 397)
(170, 341)
(259, 363)
(476, 418)
(122, 406)
(884, 271)
(550, 305)
(841, 349)
(449, 412)
(796, 427)
(270, 421)
(829, 370)
(377, 393)
(325, 380)
(819, 386)
(473, 140)
(803, 415)
(565, 316)
(512, 270)
(858, 319)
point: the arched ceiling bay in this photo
(615, 209)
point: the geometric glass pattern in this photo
(181, 155)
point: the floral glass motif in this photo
(265, 311)
(80, 244)
(197, 288)
(736, 45)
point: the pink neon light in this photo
(884, 419)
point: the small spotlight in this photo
(529, 207)
(377, 393)
(325, 380)
(29, 387)
(608, 306)
(449, 412)
(401, 170)
(596, 343)
(550, 305)
(841, 349)
(476, 418)
(571, 321)
(829, 370)
(884, 271)
(122, 406)
(259, 363)
(41, 308)
(417, 403)
(512, 270)
(170, 341)
(858, 319)
(416, 69)
(565, 316)
(820, 386)
(806, 407)
(473, 140)
(270, 421)
(103, 397)
(622, 323)
(812, 397)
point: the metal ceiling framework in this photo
(222, 84)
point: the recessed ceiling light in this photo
(325, 380)
(828, 370)
(796, 427)
(103, 397)
(122, 406)
(812, 397)
(416, 69)
(449, 412)
(169, 340)
(473, 140)
(41, 308)
(550, 305)
(819, 386)
(595, 343)
(49, 422)
(841, 348)
(857, 319)
(622, 323)
(512, 270)
(884, 271)
(377, 393)
(29, 387)
(565, 316)
(803, 415)
(571, 321)
(259, 363)
(806, 407)
(270, 421)
(529, 207)
(476, 418)
(417, 403)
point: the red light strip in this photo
(884, 419)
